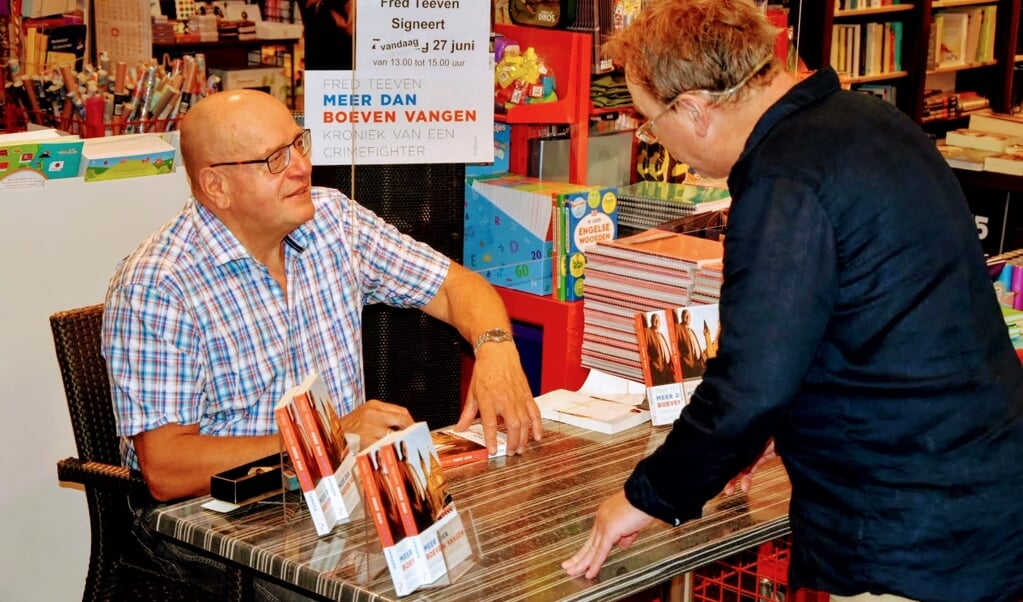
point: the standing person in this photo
(863, 332)
(260, 280)
(328, 30)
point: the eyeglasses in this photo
(645, 132)
(280, 159)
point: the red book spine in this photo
(311, 428)
(644, 357)
(368, 476)
(298, 459)
(396, 481)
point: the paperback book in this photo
(318, 453)
(420, 530)
(674, 346)
(603, 414)
(455, 448)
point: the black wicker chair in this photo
(118, 569)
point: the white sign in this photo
(422, 91)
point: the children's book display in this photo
(318, 453)
(422, 535)
(674, 346)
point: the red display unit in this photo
(561, 325)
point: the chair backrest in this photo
(76, 338)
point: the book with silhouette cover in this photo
(691, 335)
(333, 461)
(421, 532)
(318, 453)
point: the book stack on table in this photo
(649, 271)
(992, 142)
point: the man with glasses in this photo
(860, 328)
(260, 280)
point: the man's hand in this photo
(499, 388)
(745, 478)
(618, 523)
(374, 419)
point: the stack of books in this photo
(644, 272)
(647, 203)
(992, 142)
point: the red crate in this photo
(756, 575)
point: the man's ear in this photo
(696, 110)
(215, 187)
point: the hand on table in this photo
(374, 419)
(618, 523)
(499, 388)
(744, 479)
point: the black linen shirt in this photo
(861, 330)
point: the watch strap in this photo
(494, 335)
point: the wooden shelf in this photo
(962, 67)
(881, 10)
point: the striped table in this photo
(528, 514)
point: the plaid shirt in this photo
(196, 331)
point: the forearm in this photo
(178, 462)
(469, 303)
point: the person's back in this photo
(904, 442)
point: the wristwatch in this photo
(494, 335)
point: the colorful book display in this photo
(28, 159)
(318, 453)
(421, 533)
(513, 230)
(674, 346)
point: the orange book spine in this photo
(644, 357)
(298, 459)
(395, 480)
(368, 477)
(452, 460)
(311, 428)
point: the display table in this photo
(530, 513)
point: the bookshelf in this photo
(819, 29)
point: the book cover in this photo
(399, 553)
(417, 512)
(662, 373)
(455, 448)
(608, 416)
(692, 333)
(299, 460)
(588, 218)
(320, 427)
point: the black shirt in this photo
(861, 330)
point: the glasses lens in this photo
(645, 135)
(304, 143)
(279, 159)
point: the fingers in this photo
(589, 559)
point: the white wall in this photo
(58, 247)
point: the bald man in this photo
(260, 280)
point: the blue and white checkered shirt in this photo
(196, 331)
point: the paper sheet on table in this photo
(601, 385)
